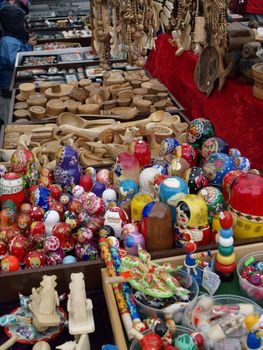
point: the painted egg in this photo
(196, 179)
(37, 213)
(126, 167)
(214, 200)
(214, 145)
(234, 153)
(138, 203)
(37, 228)
(146, 180)
(98, 189)
(127, 189)
(40, 197)
(77, 191)
(10, 263)
(216, 166)
(199, 130)
(228, 181)
(86, 182)
(69, 259)
(242, 163)
(18, 247)
(187, 152)
(104, 176)
(168, 146)
(35, 260)
(142, 152)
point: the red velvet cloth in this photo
(255, 6)
(236, 114)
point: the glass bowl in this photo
(254, 293)
(136, 345)
(173, 311)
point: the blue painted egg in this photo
(216, 166)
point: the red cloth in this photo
(255, 6)
(236, 114)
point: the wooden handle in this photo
(9, 343)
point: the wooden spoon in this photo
(155, 117)
(75, 120)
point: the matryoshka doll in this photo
(199, 130)
(68, 171)
(23, 163)
(196, 179)
(11, 187)
(192, 221)
(7, 218)
(126, 167)
(214, 145)
(245, 204)
(172, 190)
(216, 166)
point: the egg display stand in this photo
(117, 327)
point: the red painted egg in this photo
(10, 263)
(18, 247)
(228, 181)
(37, 228)
(3, 249)
(55, 191)
(86, 182)
(25, 208)
(37, 213)
(35, 260)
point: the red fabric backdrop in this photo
(235, 113)
(255, 6)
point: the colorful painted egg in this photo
(116, 218)
(109, 196)
(242, 163)
(196, 179)
(55, 257)
(11, 187)
(37, 213)
(93, 204)
(84, 234)
(199, 130)
(86, 182)
(77, 191)
(18, 247)
(7, 215)
(129, 228)
(138, 203)
(23, 221)
(62, 231)
(10, 263)
(187, 152)
(68, 171)
(246, 206)
(168, 146)
(126, 167)
(216, 166)
(65, 199)
(25, 208)
(51, 218)
(177, 167)
(86, 252)
(131, 242)
(172, 190)
(3, 250)
(113, 242)
(40, 197)
(214, 145)
(142, 152)
(90, 171)
(156, 226)
(234, 153)
(69, 259)
(21, 160)
(214, 200)
(106, 231)
(104, 176)
(98, 189)
(37, 228)
(52, 243)
(127, 189)
(35, 260)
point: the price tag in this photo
(210, 281)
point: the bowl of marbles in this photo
(166, 336)
(166, 296)
(250, 276)
(226, 321)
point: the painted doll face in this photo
(210, 171)
(181, 217)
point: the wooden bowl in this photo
(27, 89)
(161, 132)
(84, 82)
(136, 84)
(124, 103)
(125, 94)
(160, 105)
(58, 90)
(90, 108)
(21, 114)
(21, 98)
(142, 105)
(55, 107)
(162, 95)
(140, 91)
(21, 105)
(44, 85)
(37, 100)
(108, 105)
(72, 106)
(37, 112)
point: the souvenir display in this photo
(199, 130)
(216, 166)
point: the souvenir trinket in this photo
(199, 130)
(93, 204)
(77, 191)
(168, 146)
(23, 221)
(86, 252)
(86, 182)
(225, 258)
(228, 181)
(245, 206)
(177, 167)
(7, 215)
(106, 231)
(129, 228)
(41, 197)
(116, 218)
(192, 221)
(35, 259)
(214, 200)
(10, 263)
(146, 180)
(142, 153)
(187, 152)
(109, 196)
(172, 190)
(126, 167)
(98, 189)
(51, 218)
(137, 204)
(242, 164)
(254, 337)
(37, 213)
(23, 163)
(216, 166)
(196, 179)
(11, 187)
(127, 189)
(104, 176)
(68, 170)
(131, 242)
(18, 247)
(214, 145)
(157, 226)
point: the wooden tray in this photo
(117, 328)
